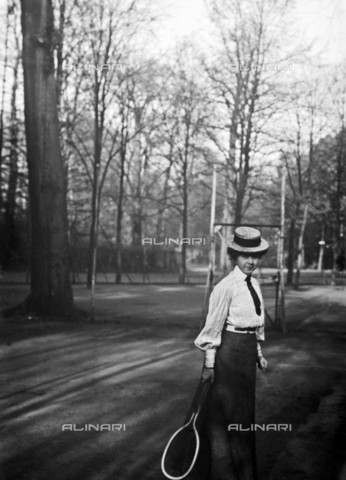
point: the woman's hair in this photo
(234, 254)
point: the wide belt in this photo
(231, 328)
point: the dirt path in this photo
(142, 374)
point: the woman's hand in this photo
(262, 363)
(208, 374)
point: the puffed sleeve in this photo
(210, 337)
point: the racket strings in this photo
(181, 452)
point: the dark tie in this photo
(254, 295)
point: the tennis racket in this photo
(181, 452)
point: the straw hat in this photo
(247, 239)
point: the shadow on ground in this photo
(141, 377)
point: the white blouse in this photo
(230, 303)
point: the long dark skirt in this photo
(232, 402)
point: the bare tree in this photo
(246, 74)
(304, 127)
(337, 194)
(138, 124)
(3, 90)
(181, 135)
(10, 205)
(97, 70)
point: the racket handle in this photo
(200, 395)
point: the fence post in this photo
(281, 256)
(210, 277)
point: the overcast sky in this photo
(320, 21)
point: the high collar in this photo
(239, 274)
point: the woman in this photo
(231, 340)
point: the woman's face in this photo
(247, 262)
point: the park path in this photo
(142, 372)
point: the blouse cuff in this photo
(259, 350)
(210, 357)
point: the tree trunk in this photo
(245, 153)
(320, 258)
(163, 204)
(182, 269)
(241, 192)
(120, 213)
(238, 214)
(290, 258)
(50, 288)
(335, 258)
(137, 214)
(94, 207)
(227, 231)
(228, 214)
